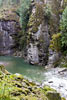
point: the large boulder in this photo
(53, 95)
(53, 59)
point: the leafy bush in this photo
(24, 12)
(59, 41)
(56, 42)
(63, 24)
(63, 27)
(64, 62)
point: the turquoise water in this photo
(36, 73)
(17, 65)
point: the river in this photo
(37, 74)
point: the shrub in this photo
(63, 26)
(24, 12)
(64, 62)
(56, 42)
(47, 12)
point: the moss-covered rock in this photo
(2, 69)
(35, 19)
(55, 43)
(47, 88)
(9, 13)
(15, 87)
(51, 95)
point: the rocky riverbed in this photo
(57, 79)
(54, 77)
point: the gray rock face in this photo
(41, 38)
(37, 52)
(33, 54)
(7, 31)
(53, 58)
(43, 43)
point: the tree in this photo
(63, 27)
(24, 13)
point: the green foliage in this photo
(64, 21)
(56, 42)
(63, 27)
(59, 41)
(47, 12)
(64, 65)
(64, 62)
(24, 13)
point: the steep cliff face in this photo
(8, 30)
(38, 36)
(40, 30)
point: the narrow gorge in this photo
(33, 43)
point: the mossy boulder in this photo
(18, 76)
(2, 69)
(47, 88)
(51, 95)
(15, 87)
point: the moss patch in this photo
(9, 13)
(35, 19)
(15, 87)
